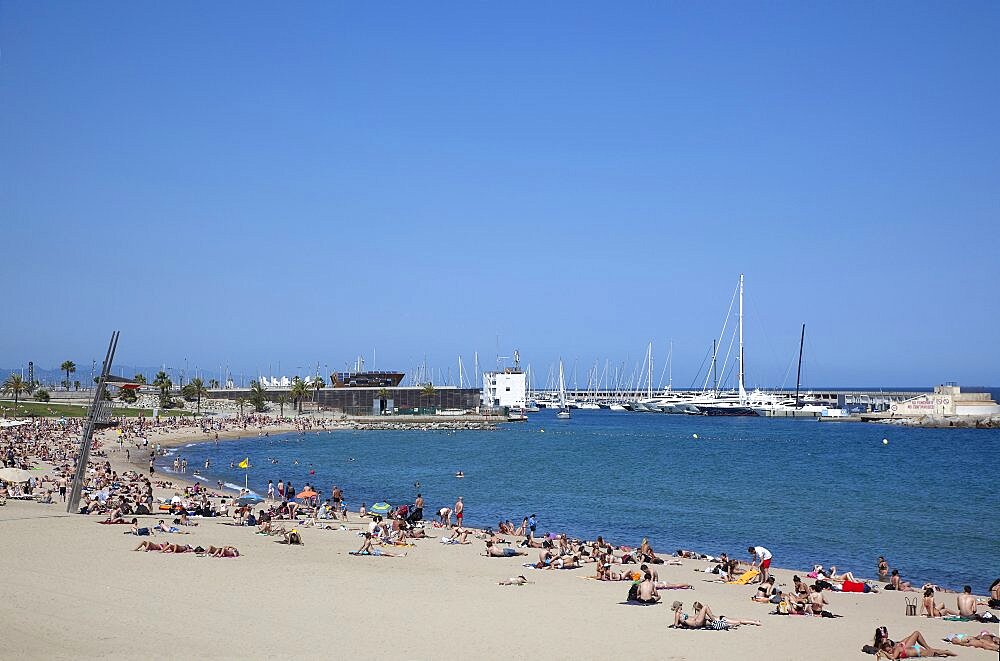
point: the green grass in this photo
(49, 410)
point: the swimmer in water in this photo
(459, 474)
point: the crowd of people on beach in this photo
(121, 497)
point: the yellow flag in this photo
(245, 463)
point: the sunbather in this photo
(984, 641)
(494, 551)
(914, 645)
(147, 545)
(368, 549)
(223, 552)
(928, 606)
(514, 580)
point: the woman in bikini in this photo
(913, 646)
(928, 606)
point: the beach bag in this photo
(911, 606)
(633, 592)
(782, 608)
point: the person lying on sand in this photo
(292, 538)
(984, 641)
(147, 545)
(494, 551)
(704, 618)
(914, 645)
(514, 580)
(221, 551)
(840, 578)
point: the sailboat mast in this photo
(798, 377)
(670, 367)
(649, 371)
(715, 370)
(743, 391)
(461, 383)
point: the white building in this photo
(504, 389)
(947, 400)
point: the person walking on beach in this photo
(281, 490)
(459, 511)
(761, 557)
(270, 490)
(62, 489)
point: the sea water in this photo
(811, 492)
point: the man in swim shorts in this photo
(761, 557)
(459, 511)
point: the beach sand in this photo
(74, 588)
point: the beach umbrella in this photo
(308, 493)
(14, 475)
(380, 508)
(248, 499)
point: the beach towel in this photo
(636, 602)
(746, 577)
(852, 586)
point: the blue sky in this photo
(243, 184)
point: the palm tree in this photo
(140, 378)
(282, 399)
(317, 383)
(164, 383)
(241, 403)
(16, 386)
(213, 384)
(76, 385)
(69, 367)
(257, 397)
(428, 391)
(197, 388)
(299, 391)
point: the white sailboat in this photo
(563, 413)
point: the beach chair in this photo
(745, 577)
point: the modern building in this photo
(506, 389)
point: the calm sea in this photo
(827, 493)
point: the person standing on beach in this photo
(338, 496)
(418, 509)
(62, 488)
(761, 557)
(151, 468)
(281, 490)
(270, 490)
(459, 511)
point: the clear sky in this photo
(248, 183)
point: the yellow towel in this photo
(746, 577)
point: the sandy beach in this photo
(75, 588)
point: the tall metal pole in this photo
(798, 377)
(73, 505)
(743, 392)
(715, 370)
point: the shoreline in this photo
(82, 576)
(177, 441)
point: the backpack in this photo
(633, 592)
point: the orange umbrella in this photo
(308, 493)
